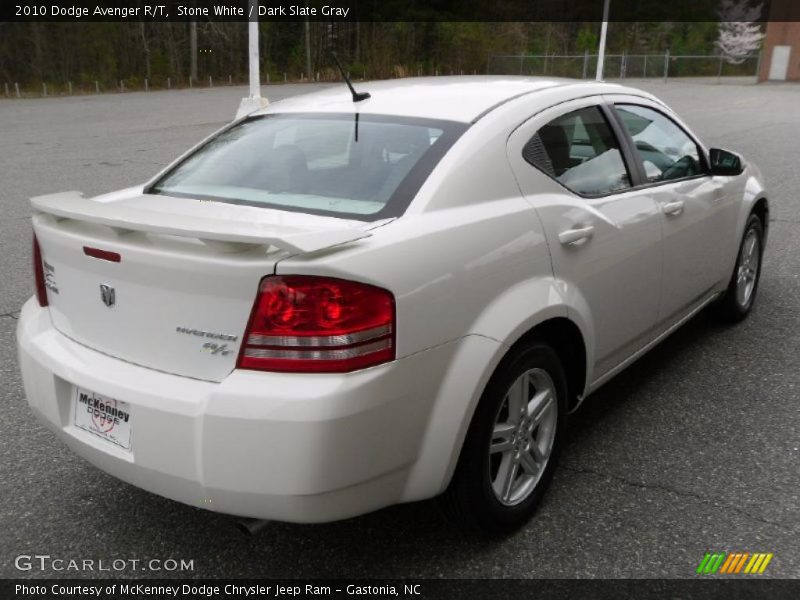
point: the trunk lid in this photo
(181, 294)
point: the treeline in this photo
(82, 53)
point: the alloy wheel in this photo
(523, 435)
(747, 270)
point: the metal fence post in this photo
(758, 63)
(146, 87)
(644, 69)
(585, 64)
(169, 83)
(6, 84)
(190, 81)
(210, 82)
(96, 86)
(16, 89)
(622, 65)
(666, 65)
(520, 64)
(44, 89)
(69, 87)
(719, 70)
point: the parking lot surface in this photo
(695, 448)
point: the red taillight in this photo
(312, 324)
(38, 273)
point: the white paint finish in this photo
(779, 65)
(184, 217)
(450, 98)
(298, 450)
(624, 246)
(160, 284)
(698, 239)
(698, 219)
(471, 264)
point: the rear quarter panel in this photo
(468, 264)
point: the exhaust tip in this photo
(251, 527)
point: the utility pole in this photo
(601, 55)
(254, 101)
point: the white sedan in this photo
(330, 306)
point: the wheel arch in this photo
(440, 455)
(761, 210)
(566, 338)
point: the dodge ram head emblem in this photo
(107, 295)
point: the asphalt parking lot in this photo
(693, 449)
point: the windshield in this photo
(356, 166)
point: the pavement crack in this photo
(680, 493)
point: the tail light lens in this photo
(38, 273)
(312, 324)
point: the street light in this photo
(602, 52)
(254, 101)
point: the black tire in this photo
(730, 308)
(470, 498)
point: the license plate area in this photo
(104, 417)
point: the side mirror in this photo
(725, 163)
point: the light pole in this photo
(601, 55)
(254, 101)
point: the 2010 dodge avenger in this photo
(340, 303)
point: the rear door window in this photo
(580, 151)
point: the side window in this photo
(665, 150)
(580, 151)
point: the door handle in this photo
(573, 236)
(673, 208)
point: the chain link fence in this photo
(624, 66)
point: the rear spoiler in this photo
(73, 205)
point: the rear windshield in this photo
(355, 166)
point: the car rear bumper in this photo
(283, 446)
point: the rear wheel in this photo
(738, 299)
(513, 442)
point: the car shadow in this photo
(626, 386)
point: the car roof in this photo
(453, 98)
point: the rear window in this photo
(356, 166)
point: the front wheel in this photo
(513, 442)
(737, 302)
